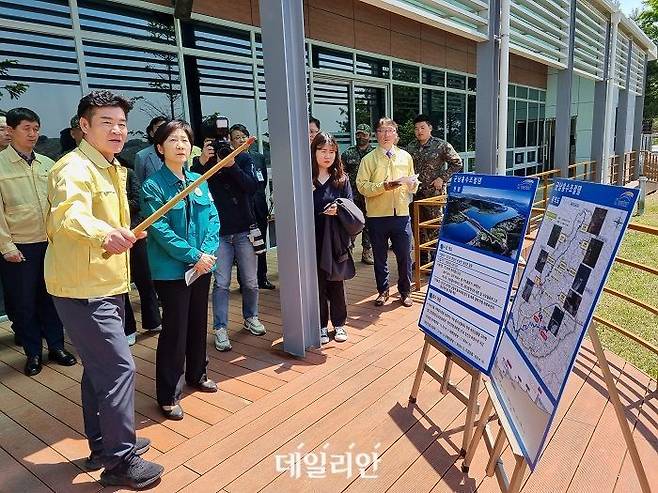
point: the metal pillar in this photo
(486, 98)
(563, 108)
(282, 24)
(600, 103)
(503, 83)
(623, 121)
(608, 118)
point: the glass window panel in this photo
(331, 105)
(510, 123)
(472, 84)
(519, 157)
(112, 18)
(45, 67)
(227, 89)
(470, 144)
(456, 120)
(405, 109)
(374, 67)
(44, 12)
(456, 81)
(522, 92)
(370, 105)
(434, 103)
(533, 114)
(332, 59)
(149, 78)
(542, 95)
(509, 159)
(542, 111)
(511, 91)
(434, 77)
(532, 156)
(533, 94)
(521, 124)
(218, 39)
(406, 73)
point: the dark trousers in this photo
(33, 310)
(95, 327)
(332, 301)
(182, 342)
(360, 202)
(129, 322)
(398, 230)
(9, 308)
(141, 276)
(262, 258)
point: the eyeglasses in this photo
(386, 131)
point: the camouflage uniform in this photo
(351, 161)
(436, 159)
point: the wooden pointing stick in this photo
(144, 225)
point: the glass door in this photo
(332, 106)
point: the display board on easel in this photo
(560, 287)
(479, 245)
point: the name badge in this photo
(259, 175)
(198, 192)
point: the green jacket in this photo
(177, 240)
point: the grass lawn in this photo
(641, 248)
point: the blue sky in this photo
(627, 6)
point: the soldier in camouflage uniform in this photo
(351, 160)
(435, 161)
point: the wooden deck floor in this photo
(349, 397)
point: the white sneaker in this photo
(222, 342)
(324, 336)
(132, 338)
(341, 335)
(253, 325)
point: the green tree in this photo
(647, 19)
(14, 90)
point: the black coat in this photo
(339, 230)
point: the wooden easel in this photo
(470, 400)
(494, 448)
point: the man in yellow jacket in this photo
(23, 209)
(386, 179)
(89, 216)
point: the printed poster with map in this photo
(561, 285)
(484, 224)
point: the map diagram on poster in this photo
(484, 224)
(562, 282)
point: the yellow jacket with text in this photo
(23, 199)
(88, 199)
(376, 168)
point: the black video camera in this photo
(217, 128)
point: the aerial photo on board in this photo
(487, 219)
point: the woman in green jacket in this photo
(182, 241)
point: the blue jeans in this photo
(239, 247)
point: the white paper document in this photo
(191, 276)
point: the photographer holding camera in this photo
(232, 189)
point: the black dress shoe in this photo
(175, 413)
(95, 461)
(33, 365)
(135, 473)
(207, 386)
(62, 357)
(382, 298)
(266, 284)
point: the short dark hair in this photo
(312, 119)
(240, 127)
(423, 118)
(17, 115)
(169, 127)
(153, 123)
(101, 99)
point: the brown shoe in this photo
(367, 258)
(406, 300)
(382, 298)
